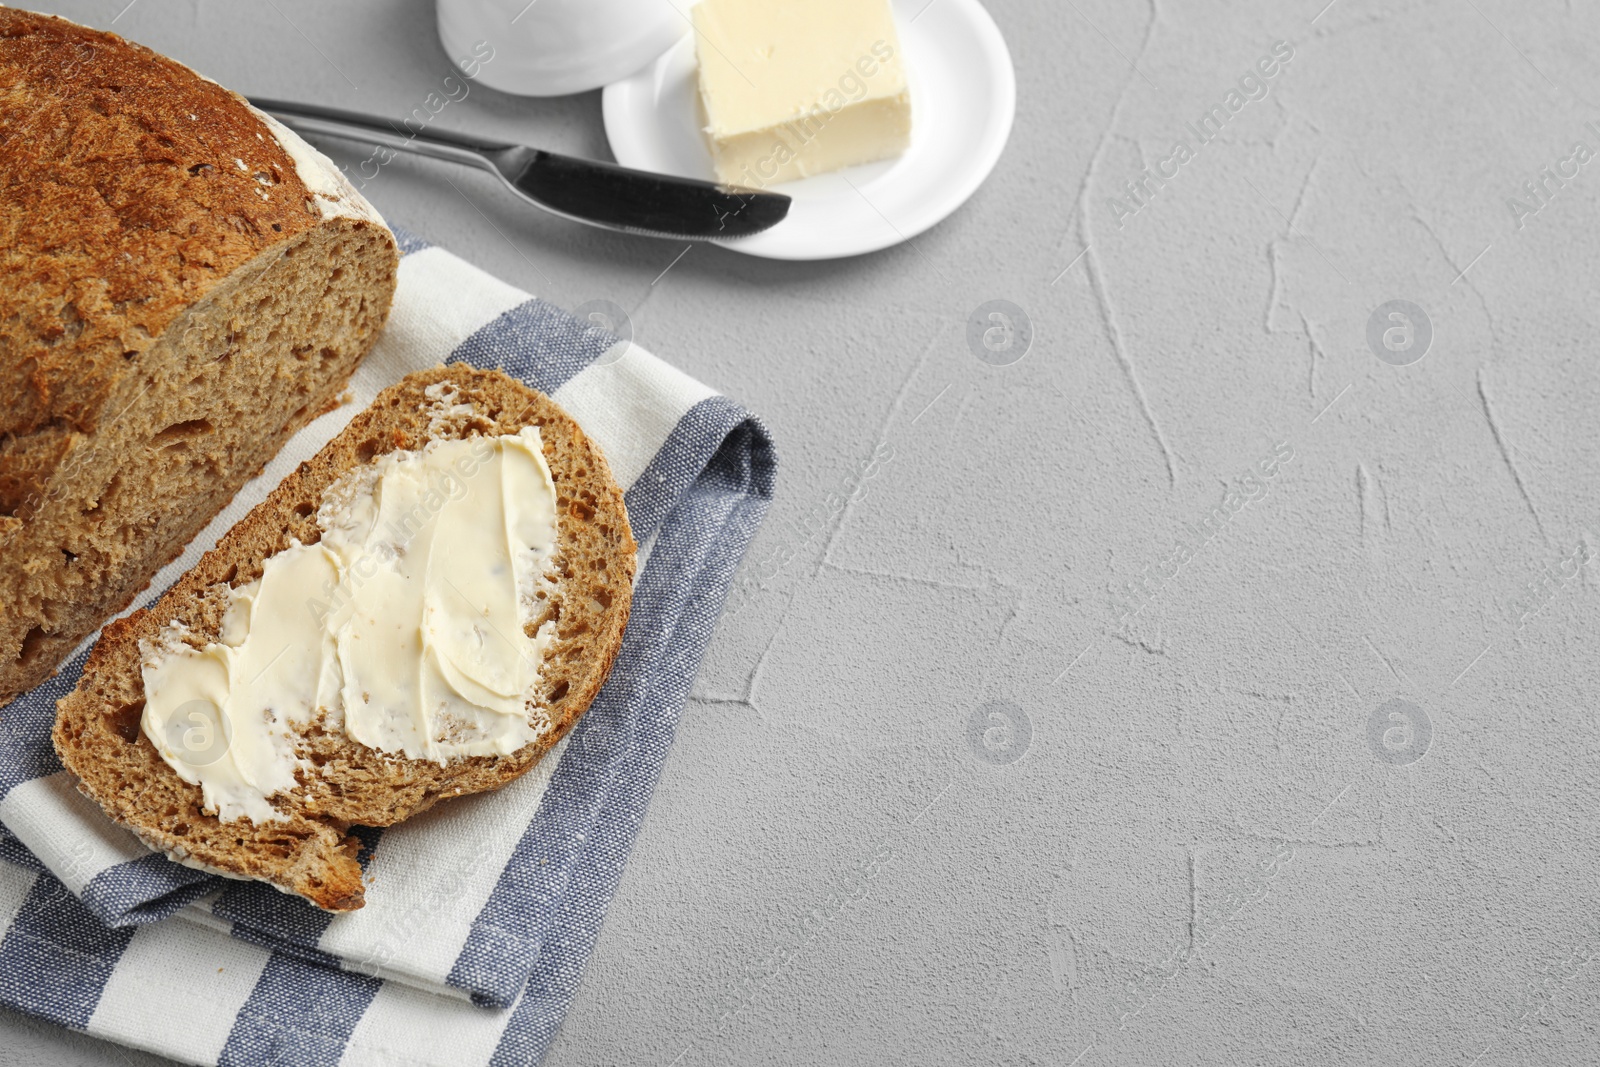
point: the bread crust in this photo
(138, 198)
(124, 203)
(97, 732)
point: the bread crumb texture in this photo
(168, 318)
(311, 851)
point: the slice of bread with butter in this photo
(421, 611)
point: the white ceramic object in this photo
(555, 47)
(963, 97)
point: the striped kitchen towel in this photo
(485, 909)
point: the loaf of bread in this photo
(98, 732)
(183, 284)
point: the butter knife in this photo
(584, 190)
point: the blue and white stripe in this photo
(473, 942)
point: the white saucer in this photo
(963, 97)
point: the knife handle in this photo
(437, 144)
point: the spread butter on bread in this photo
(122, 732)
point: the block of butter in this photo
(792, 88)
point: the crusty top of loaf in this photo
(129, 186)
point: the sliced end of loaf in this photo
(202, 412)
(311, 853)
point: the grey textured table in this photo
(1033, 745)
